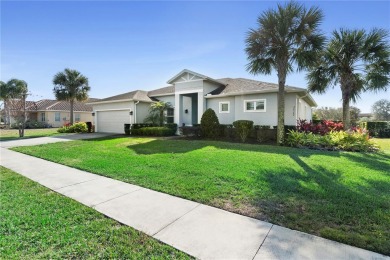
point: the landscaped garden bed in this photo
(37, 223)
(342, 196)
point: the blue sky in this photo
(126, 45)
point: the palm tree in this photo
(358, 61)
(70, 85)
(159, 108)
(12, 89)
(286, 36)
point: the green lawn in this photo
(383, 143)
(342, 196)
(13, 134)
(37, 223)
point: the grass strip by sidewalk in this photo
(39, 223)
(13, 134)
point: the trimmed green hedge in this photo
(377, 128)
(153, 131)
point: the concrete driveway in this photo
(51, 139)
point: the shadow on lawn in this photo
(184, 146)
(319, 201)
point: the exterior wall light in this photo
(131, 113)
(186, 111)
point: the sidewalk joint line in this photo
(56, 190)
(262, 242)
(93, 206)
(176, 219)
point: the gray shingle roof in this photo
(138, 95)
(162, 91)
(241, 86)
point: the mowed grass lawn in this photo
(37, 223)
(342, 196)
(13, 134)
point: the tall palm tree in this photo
(12, 89)
(357, 60)
(70, 85)
(285, 37)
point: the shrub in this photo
(153, 131)
(322, 128)
(190, 131)
(351, 140)
(243, 128)
(171, 126)
(80, 127)
(138, 126)
(209, 124)
(377, 128)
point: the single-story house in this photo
(56, 113)
(191, 93)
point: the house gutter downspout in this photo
(135, 111)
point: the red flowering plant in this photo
(322, 128)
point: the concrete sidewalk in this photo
(50, 139)
(199, 230)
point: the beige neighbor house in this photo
(56, 113)
(191, 93)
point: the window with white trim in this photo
(57, 117)
(224, 107)
(77, 117)
(43, 117)
(257, 105)
(170, 115)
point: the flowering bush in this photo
(353, 140)
(322, 128)
(80, 127)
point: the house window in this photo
(43, 117)
(257, 105)
(77, 117)
(224, 107)
(58, 117)
(170, 115)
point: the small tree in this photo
(17, 104)
(209, 124)
(243, 127)
(381, 110)
(157, 112)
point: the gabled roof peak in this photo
(189, 75)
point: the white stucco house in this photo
(191, 93)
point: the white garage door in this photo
(112, 121)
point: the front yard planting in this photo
(343, 196)
(37, 223)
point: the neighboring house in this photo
(56, 113)
(191, 93)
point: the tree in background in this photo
(358, 61)
(14, 97)
(336, 114)
(11, 93)
(157, 112)
(286, 36)
(381, 110)
(70, 85)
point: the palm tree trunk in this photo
(280, 129)
(346, 113)
(345, 83)
(161, 117)
(71, 111)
